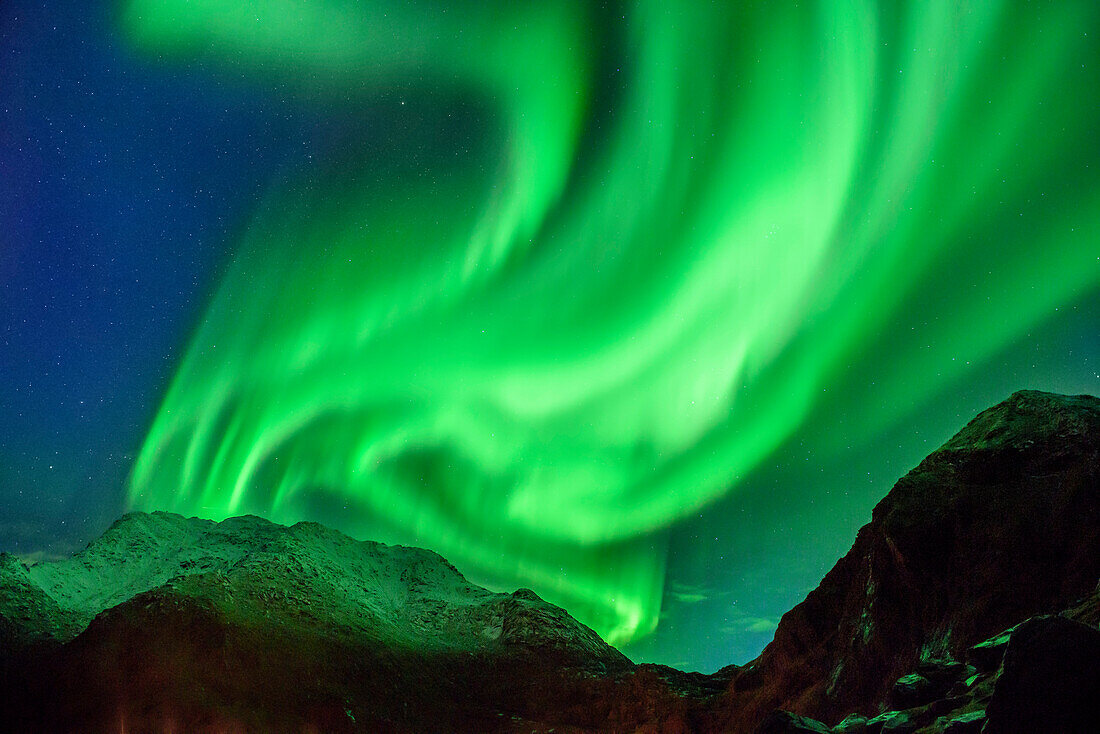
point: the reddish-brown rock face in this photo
(1001, 523)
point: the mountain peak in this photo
(1029, 418)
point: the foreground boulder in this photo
(1050, 680)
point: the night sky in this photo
(642, 305)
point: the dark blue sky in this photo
(121, 184)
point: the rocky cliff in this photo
(999, 524)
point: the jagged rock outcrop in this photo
(1041, 675)
(933, 622)
(1001, 523)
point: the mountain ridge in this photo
(245, 625)
(399, 588)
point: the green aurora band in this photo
(537, 352)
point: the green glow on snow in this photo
(537, 359)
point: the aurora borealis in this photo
(601, 269)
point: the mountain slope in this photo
(167, 618)
(396, 594)
(1000, 523)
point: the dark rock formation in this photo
(851, 724)
(987, 654)
(1001, 523)
(784, 722)
(166, 623)
(969, 723)
(1050, 680)
(1042, 686)
(930, 681)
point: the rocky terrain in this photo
(969, 603)
(999, 524)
